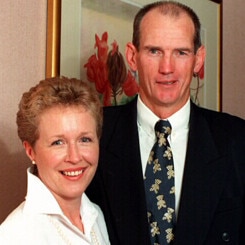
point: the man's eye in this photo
(57, 142)
(154, 51)
(183, 53)
(180, 53)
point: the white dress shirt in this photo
(179, 121)
(39, 220)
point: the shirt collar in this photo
(39, 198)
(146, 119)
(180, 119)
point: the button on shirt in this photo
(179, 121)
(39, 220)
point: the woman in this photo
(59, 123)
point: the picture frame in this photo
(67, 53)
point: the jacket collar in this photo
(203, 179)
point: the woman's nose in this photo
(73, 154)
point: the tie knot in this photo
(163, 127)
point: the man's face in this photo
(166, 61)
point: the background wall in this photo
(233, 57)
(22, 64)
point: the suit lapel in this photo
(203, 179)
(124, 178)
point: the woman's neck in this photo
(71, 209)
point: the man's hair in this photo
(169, 8)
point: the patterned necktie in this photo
(159, 187)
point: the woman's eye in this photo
(57, 142)
(86, 139)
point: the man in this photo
(208, 147)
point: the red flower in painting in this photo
(102, 46)
(130, 87)
(109, 73)
(96, 73)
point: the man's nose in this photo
(166, 64)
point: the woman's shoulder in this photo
(15, 217)
(13, 226)
(19, 221)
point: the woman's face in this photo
(66, 152)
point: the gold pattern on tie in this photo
(159, 187)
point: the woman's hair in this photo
(51, 92)
(169, 8)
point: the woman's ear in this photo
(200, 58)
(131, 56)
(29, 150)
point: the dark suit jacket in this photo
(212, 198)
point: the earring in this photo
(33, 162)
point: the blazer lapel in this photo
(124, 178)
(203, 179)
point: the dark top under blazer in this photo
(212, 198)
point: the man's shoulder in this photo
(222, 125)
(119, 120)
(220, 117)
(112, 112)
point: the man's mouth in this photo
(169, 82)
(166, 82)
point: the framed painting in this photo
(85, 32)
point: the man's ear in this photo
(131, 56)
(200, 58)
